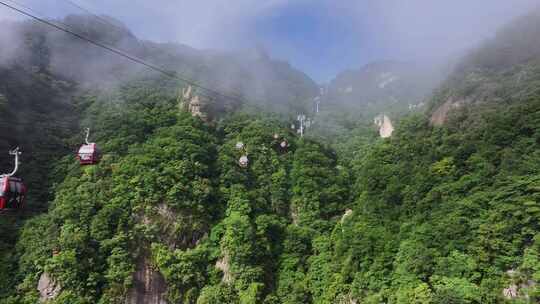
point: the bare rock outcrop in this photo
(518, 288)
(163, 217)
(294, 216)
(347, 213)
(346, 299)
(195, 104)
(223, 264)
(385, 125)
(48, 288)
(149, 286)
(439, 116)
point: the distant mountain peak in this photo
(106, 28)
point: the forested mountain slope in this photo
(445, 213)
(350, 104)
(186, 205)
(48, 78)
(505, 69)
(438, 215)
(384, 84)
(255, 76)
(44, 72)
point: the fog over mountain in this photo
(319, 37)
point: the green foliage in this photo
(316, 191)
(434, 215)
(446, 214)
(530, 269)
(184, 270)
(217, 295)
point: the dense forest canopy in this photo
(234, 206)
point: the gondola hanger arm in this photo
(87, 136)
(15, 152)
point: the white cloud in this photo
(200, 23)
(441, 28)
(384, 29)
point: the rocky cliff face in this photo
(385, 125)
(518, 289)
(504, 70)
(198, 106)
(48, 288)
(149, 285)
(439, 116)
(382, 83)
(223, 264)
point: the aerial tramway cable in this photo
(12, 189)
(109, 23)
(210, 93)
(122, 54)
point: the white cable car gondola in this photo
(239, 145)
(243, 161)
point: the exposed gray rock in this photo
(223, 264)
(518, 288)
(347, 213)
(48, 288)
(195, 104)
(149, 285)
(385, 125)
(441, 113)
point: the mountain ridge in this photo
(503, 69)
(243, 209)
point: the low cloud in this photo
(321, 37)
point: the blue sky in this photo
(320, 37)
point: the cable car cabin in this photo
(243, 161)
(12, 192)
(89, 154)
(239, 145)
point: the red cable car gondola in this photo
(12, 193)
(12, 189)
(89, 153)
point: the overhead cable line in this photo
(148, 45)
(121, 53)
(35, 12)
